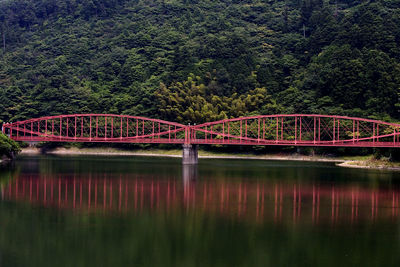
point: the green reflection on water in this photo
(34, 235)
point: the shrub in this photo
(8, 148)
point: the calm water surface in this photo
(137, 211)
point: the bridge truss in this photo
(96, 128)
(284, 129)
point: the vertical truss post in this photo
(112, 127)
(52, 127)
(295, 130)
(338, 130)
(277, 130)
(258, 134)
(82, 118)
(120, 129)
(245, 123)
(319, 129)
(31, 130)
(152, 137)
(127, 126)
(377, 132)
(240, 131)
(175, 131)
(142, 127)
(105, 127)
(97, 126)
(169, 133)
(17, 129)
(300, 128)
(229, 138)
(186, 136)
(334, 129)
(67, 127)
(38, 127)
(60, 126)
(354, 130)
(373, 133)
(90, 128)
(282, 128)
(137, 127)
(315, 124)
(223, 132)
(75, 129)
(263, 129)
(45, 131)
(211, 130)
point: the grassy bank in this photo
(370, 162)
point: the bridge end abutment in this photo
(190, 154)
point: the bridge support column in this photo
(190, 154)
(32, 143)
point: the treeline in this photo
(199, 60)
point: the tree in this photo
(8, 147)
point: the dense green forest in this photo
(199, 60)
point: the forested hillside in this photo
(199, 60)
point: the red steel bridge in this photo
(284, 129)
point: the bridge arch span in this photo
(96, 128)
(298, 130)
(281, 129)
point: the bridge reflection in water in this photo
(254, 200)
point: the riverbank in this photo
(371, 164)
(176, 153)
(365, 162)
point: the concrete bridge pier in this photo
(190, 154)
(32, 143)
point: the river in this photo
(149, 211)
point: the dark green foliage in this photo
(194, 101)
(195, 61)
(8, 147)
